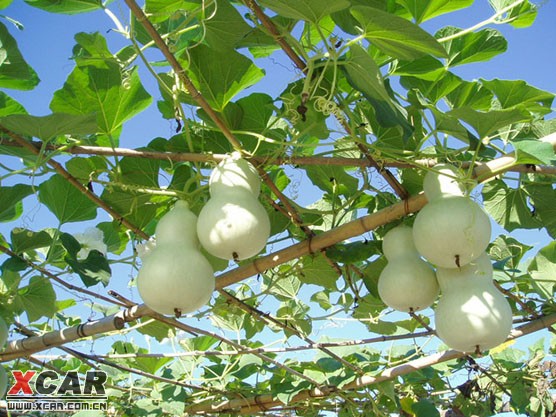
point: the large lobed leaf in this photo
(310, 10)
(395, 35)
(67, 6)
(14, 71)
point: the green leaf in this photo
(37, 299)
(513, 93)
(225, 28)
(423, 10)
(93, 269)
(25, 240)
(372, 274)
(487, 123)
(9, 106)
(449, 124)
(316, 270)
(543, 269)
(11, 206)
(520, 16)
(150, 365)
(112, 95)
(92, 50)
(363, 74)
(310, 124)
(472, 47)
(136, 208)
(395, 35)
(544, 205)
(140, 171)
(86, 169)
(14, 71)
(159, 10)
(531, 151)
(48, 127)
(221, 75)
(424, 408)
(508, 250)
(65, 201)
(115, 236)
(332, 179)
(426, 68)
(352, 252)
(257, 109)
(432, 90)
(508, 206)
(5, 3)
(156, 329)
(66, 6)
(310, 10)
(471, 94)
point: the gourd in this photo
(407, 283)
(234, 172)
(3, 381)
(233, 224)
(175, 278)
(471, 315)
(3, 332)
(451, 230)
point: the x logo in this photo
(21, 383)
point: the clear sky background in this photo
(47, 41)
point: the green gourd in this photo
(233, 224)
(175, 278)
(232, 173)
(177, 226)
(471, 314)
(451, 230)
(407, 283)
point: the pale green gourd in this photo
(234, 172)
(175, 278)
(451, 230)
(407, 283)
(471, 315)
(233, 224)
(179, 225)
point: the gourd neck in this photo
(463, 282)
(444, 182)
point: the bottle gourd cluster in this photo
(452, 233)
(175, 277)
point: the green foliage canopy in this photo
(374, 100)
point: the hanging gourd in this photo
(175, 277)
(407, 283)
(471, 315)
(451, 230)
(233, 224)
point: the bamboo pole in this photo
(24, 347)
(499, 165)
(267, 401)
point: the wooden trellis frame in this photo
(130, 312)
